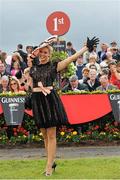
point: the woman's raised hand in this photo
(35, 53)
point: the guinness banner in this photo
(115, 104)
(13, 108)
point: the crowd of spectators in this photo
(96, 70)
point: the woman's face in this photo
(44, 54)
(113, 67)
(15, 58)
(86, 73)
(29, 62)
(92, 60)
(16, 65)
(92, 75)
(14, 85)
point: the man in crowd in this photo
(29, 49)
(74, 85)
(113, 44)
(79, 66)
(85, 75)
(92, 82)
(22, 53)
(115, 53)
(105, 85)
(70, 50)
(102, 52)
(3, 70)
(4, 84)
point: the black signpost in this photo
(115, 104)
(59, 45)
(13, 108)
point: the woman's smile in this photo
(44, 55)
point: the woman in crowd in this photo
(14, 85)
(48, 109)
(27, 80)
(114, 76)
(29, 61)
(108, 59)
(17, 58)
(92, 60)
(15, 68)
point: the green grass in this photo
(83, 168)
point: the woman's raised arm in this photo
(63, 64)
(89, 46)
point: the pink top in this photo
(13, 72)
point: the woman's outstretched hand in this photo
(91, 43)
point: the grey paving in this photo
(62, 152)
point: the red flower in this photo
(88, 132)
(22, 129)
(116, 123)
(26, 133)
(14, 129)
(106, 128)
(96, 127)
(15, 133)
(18, 130)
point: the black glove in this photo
(91, 43)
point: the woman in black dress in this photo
(48, 109)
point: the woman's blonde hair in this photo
(26, 70)
(93, 56)
(50, 49)
(18, 56)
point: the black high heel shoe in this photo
(54, 166)
(50, 173)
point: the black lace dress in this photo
(48, 110)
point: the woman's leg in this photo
(44, 133)
(51, 135)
